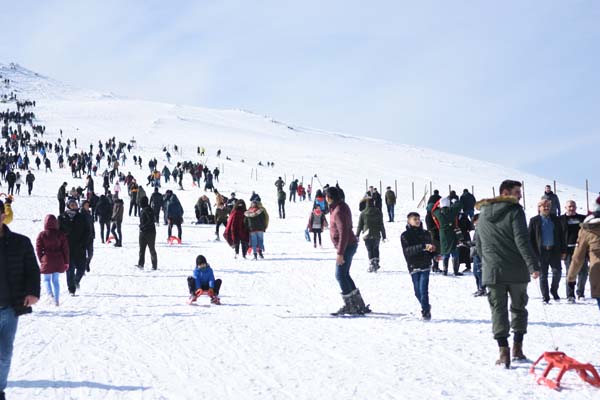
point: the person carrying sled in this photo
(203, 279)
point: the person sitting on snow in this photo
(203, 279)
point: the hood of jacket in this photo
(496, 209)
(50, 222)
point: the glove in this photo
(199, 292)
(211, 293)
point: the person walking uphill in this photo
(371, 224)
(588, 244)
(52, 248)
(390, 202)
(19, 290)
(446, 215)
(345, 243)
(147, 234)
(508, 262)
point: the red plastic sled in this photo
(110, 239)
(214, 300)
(556, 359)
(174, 239)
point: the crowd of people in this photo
(499, 246)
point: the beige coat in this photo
(588, 242)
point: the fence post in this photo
(554, 187)
(366, 184)
(493, 191)
(473, 190)
(524, 201)
(252, 173)
(449, 188)
(396, 187)
(380, 187)
(587, 195)
(413, 191)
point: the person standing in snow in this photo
(19, 290)
(62, 196)
(571, 222)
(174, 214)
(345, 243)
(236, 232)
(468, 201)
(588, 245)
(147, 236)
(75, 227)
(370, 223)
(447, 214)
(256, 221)
(418, 251)
(281, 196)
(117, 220)
(390, 202)
(89, 218)
(316, 223)
(52, 248)
(509, 261)
(29, 179)
(550, 195)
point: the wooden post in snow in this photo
(413, 191)
(587, 195)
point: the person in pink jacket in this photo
(52, 248)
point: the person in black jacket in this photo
(156, 203)
(29, 179)
(74, 225)
(570, 222)
(89, 218)
(468, 201)
(19, 290)
(418, 252)
(147, 234)
(546, 236)
(62, 196)
(103, 214)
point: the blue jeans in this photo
(421, 285)
(52, 285)
(477, 272)
(8, 330)
(257, 241)
(342, 272)
(390, 210)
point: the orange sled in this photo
(557, 359)
(174, 240)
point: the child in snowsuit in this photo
(316, 223)
(203, 279)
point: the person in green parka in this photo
(508, 260)
(446, 215)
(370, 223)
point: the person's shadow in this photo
(41, 383)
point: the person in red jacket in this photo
(52, 248)
(236, 232)
(342, 236)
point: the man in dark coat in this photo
(570, 222)
(508, 261)
(390, 202)
(62, 196)
(174, 215)
(89, 218)
(546, 235)
(147, 234)
(19, 290)
(468, 201)
(74, 225)
(550, 195)
(156, 203)
(447, 214)
(29, 179)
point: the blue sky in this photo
(513, 82)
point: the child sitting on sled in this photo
(203, 282)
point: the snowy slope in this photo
(130, 335)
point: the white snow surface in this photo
(130, 334)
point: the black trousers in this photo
(281, 204)
(315, 235)
(549, 259)
(372, 246)
(148, 239)
(192, 285)
(61, 207)
(170, 228)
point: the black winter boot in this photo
(348, 307)
(517, 352)
(359, 303)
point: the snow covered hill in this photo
(130, 335)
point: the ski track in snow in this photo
(130, 335)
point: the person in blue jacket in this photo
(203, 279)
